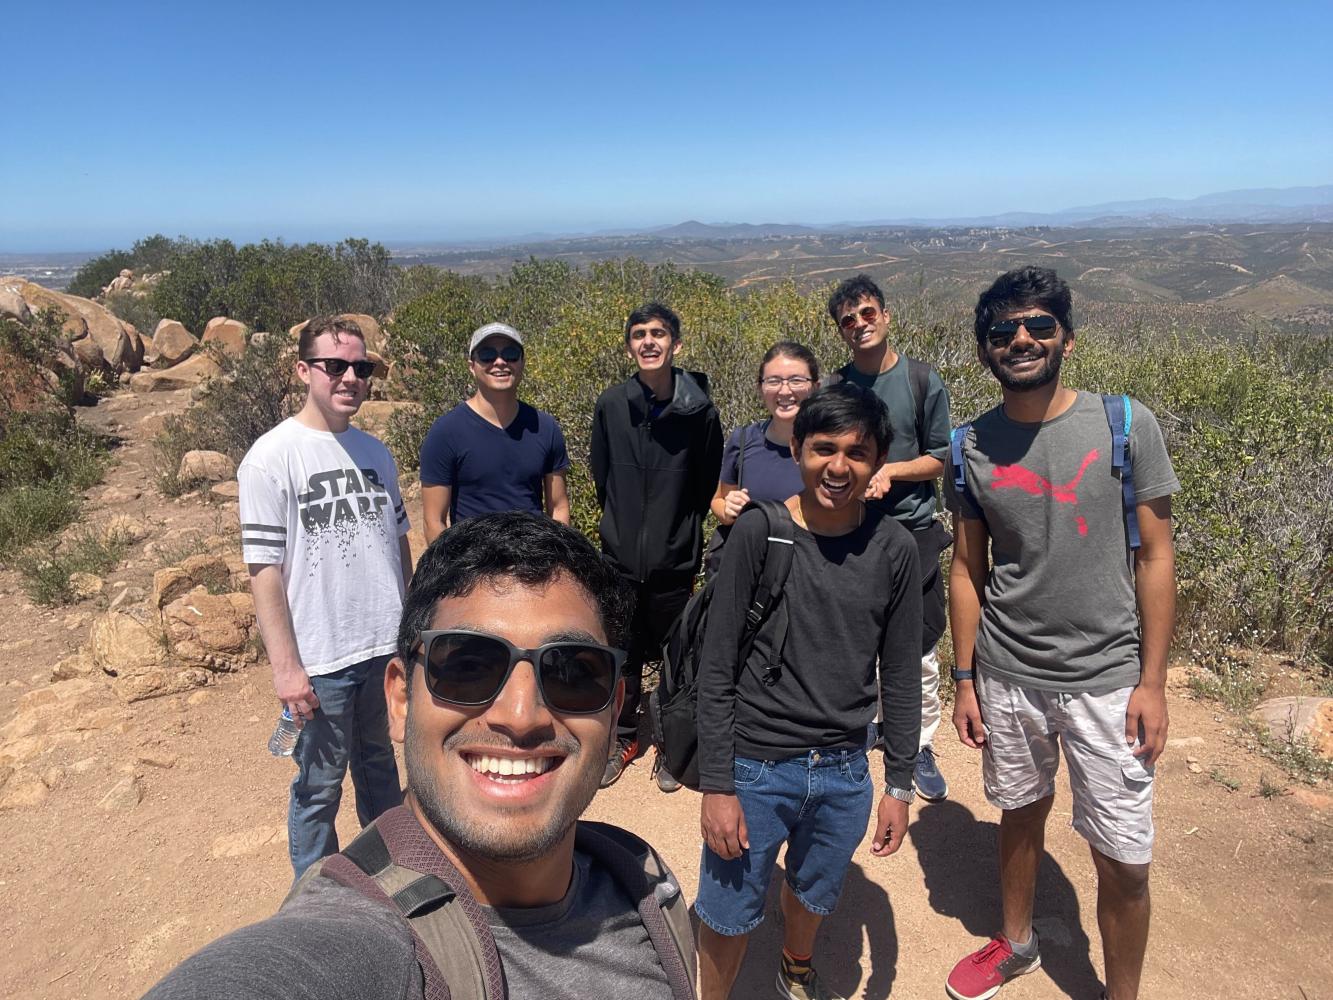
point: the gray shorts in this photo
(1112, 790)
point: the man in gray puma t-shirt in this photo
(1062, 603)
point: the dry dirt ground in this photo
(102, 902)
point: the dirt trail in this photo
(101, 903)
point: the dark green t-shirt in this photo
(912, 504)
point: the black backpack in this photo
(673, 703)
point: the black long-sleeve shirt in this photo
(851, 600)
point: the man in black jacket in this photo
(656, 451)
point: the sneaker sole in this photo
(783, 991)
(933, 798)
(1036, 964)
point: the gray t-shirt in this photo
(334, 943)
(912, 504)
(590, 945)
(1059, 611)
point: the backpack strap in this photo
(453, 944)
(643, 874)
(956, 441)
(768, 591)
(1119, 416)
(918, 377)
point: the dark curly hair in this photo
(1022, 288)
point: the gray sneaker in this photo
(666, 781)
(811, 989)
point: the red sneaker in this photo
(622, 752)
(981, 974)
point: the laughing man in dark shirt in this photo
(783, 752)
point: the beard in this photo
(1042, 375)
(522, 840)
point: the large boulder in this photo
(72, 323)
(1300, 718)
(185, 375)
(212, 631)
(230, 335)
(205, 466)
(107, 331)
(172, 344)
(12, 305)
(370, 329)
(375, 414)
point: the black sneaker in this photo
(666, 781)
(930, 784)
(621, 754)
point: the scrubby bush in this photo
(1249, 421)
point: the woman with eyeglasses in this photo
(756, 462)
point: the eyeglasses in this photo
(510, 352)
(337, 367)
(472, 668)
(866, 313)
(795, 381)
(1038, 328)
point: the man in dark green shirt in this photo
(904, 485)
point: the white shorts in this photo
(1112, 790)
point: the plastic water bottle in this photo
(283, 740)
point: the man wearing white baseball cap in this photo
(493, 452)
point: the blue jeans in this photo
(818, 804)
(350, 729)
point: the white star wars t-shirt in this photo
(327, 508)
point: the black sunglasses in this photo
(1038, 328)
(510, 352)
(472, 668)
(337, 367)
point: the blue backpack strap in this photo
(956, 439)
(1120, 416)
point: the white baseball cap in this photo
(493, 330)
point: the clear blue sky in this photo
(438, 121)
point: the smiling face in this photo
(784, 399)
(336, 398)
(864, 326)
(1027, 362)
(504, 781)
(835, 468)
(651, 346)
(498, 375)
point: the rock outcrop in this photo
(229, 335)
(172, 344)
(185, 375)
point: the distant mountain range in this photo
(1258, 205)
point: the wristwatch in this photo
(963, 675)
(901, 794)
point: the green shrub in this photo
(46, 576)
(1248, 422)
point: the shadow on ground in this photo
(959, 858)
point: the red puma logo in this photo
(1006, 477)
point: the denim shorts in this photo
(818, 804)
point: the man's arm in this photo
(274, 617)
(1155, 587)
(557, 496)
(435, 501)
(599, 460)
(900, 697)
(405, 557)
(967, 587)
(916, 470)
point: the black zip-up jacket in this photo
(655, 475)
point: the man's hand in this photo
(967, 715)
(732, 505)
(723, 823)
(292, 685)
(1146, 721)
(890, 827)
(879, 484)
